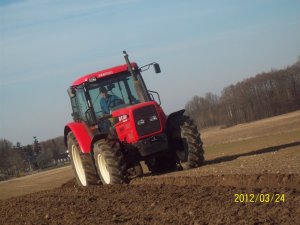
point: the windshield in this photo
(111, 93)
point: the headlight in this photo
(140, 122)
(153, 118)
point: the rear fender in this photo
(175, 117)
(173, 121)
(82, 135)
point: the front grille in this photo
(143, 123)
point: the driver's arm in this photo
(116, 100)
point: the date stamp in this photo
(258, 197)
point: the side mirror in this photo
(156, 68)
(71, 92)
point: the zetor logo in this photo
(123, 118)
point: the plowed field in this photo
(251, 176)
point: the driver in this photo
(108, 101)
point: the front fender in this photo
(82, 135)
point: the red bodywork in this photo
(126, 128)
(103, 73)
(82, 134)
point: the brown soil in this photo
(177, 201)
(205, 195)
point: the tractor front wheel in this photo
(110, 162)
(83, 165)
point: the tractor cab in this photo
(94, 97)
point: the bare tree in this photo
(265, 95)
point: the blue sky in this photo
(202, 46)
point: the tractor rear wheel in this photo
(83, 165)
(110, 162)
(186, 143)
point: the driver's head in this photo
(103, 92)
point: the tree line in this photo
(17, 160)
(264, 95)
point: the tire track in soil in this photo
(160, 200)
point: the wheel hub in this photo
(78, 165)
(103, 169)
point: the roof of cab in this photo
(103, 73)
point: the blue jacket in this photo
(110, 102)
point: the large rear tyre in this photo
(83, 164)
(186, 143)
(110, 162)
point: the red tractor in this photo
(118, 124)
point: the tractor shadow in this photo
(255, 152)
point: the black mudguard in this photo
(174, 120)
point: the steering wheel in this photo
(116, 101)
